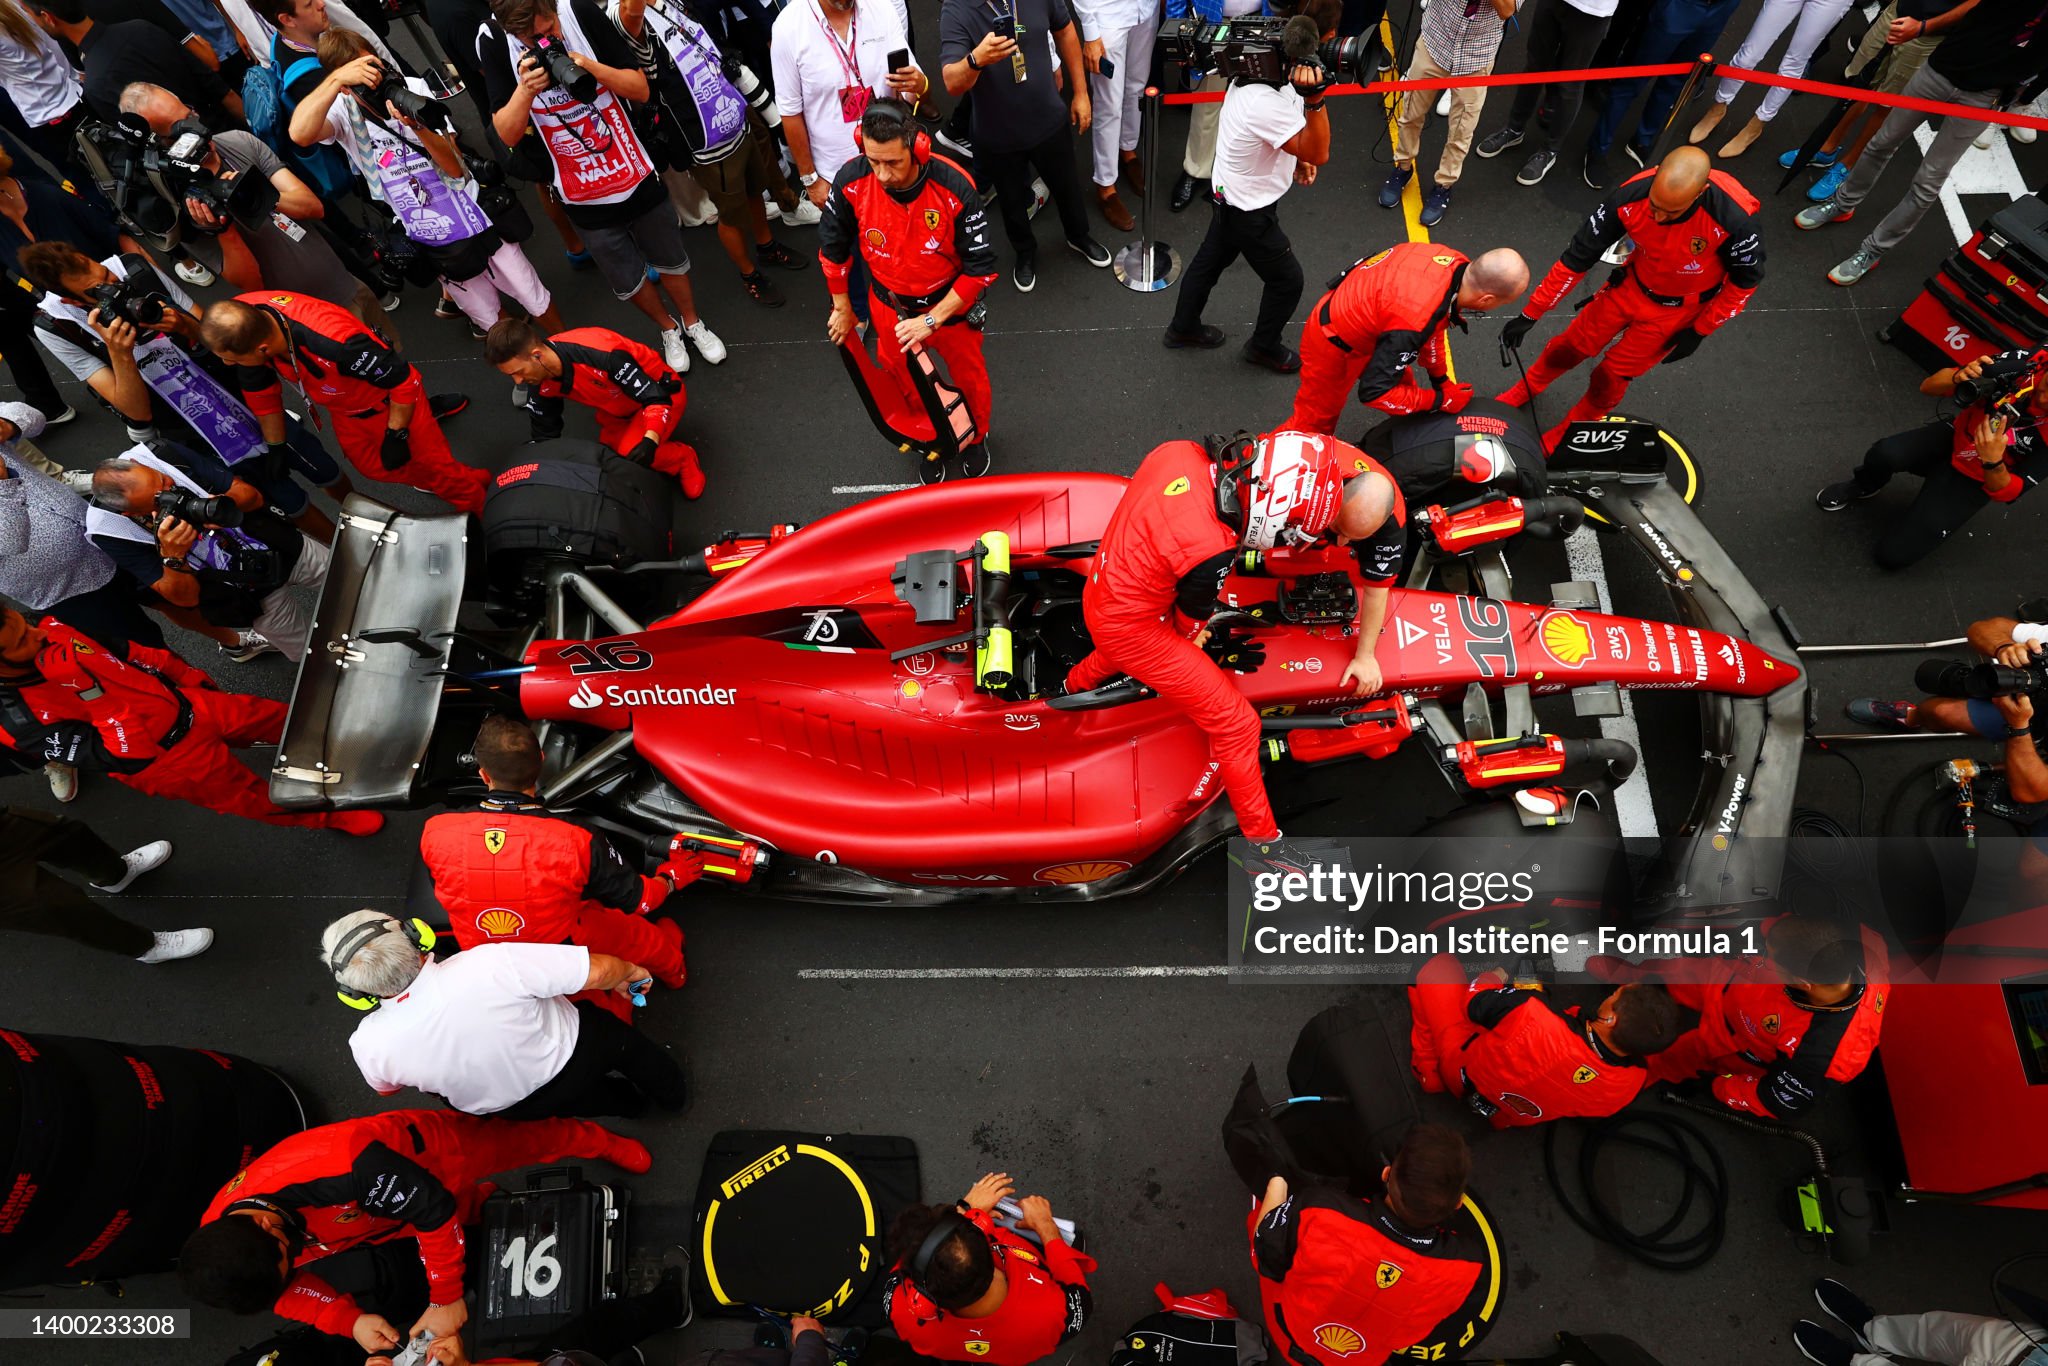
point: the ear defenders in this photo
(896, 111)
(356, 940)
(922, 1305)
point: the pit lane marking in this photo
(844, 489)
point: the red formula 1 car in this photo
(862, 709)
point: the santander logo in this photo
(583, 699)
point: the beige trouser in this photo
(1902, 61)
(1466, 102)
(1200, 158)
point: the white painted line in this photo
(1134, 970)
(1633, 810)
(1982, 170)
(871, 488)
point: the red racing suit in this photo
(401, 1174)
(918, 244)
(1697, 272)
(1376, 320)
(1345, 1283)
(356, 376)
(1165, 548)
(1772, 1054)
(1048, 1302)
(2023, 439)
(631, 389)
(164, 729)
(1515, 1058)
(511, 873)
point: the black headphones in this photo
(1232, 457)
(923, 1306)
(356, 940)
(897, 112)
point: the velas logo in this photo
(1340, 1339)
(1568, 639)
(516, 474)
(586, 698)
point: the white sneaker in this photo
(1986, 138)
(178, 944)
(2022, 135)
(804, 215)
(706, 341)
(192, 273)
(390, 302)
(251, 646)
(79, 482)
(674, 351)
(150, 856)
(774, 209)
(63, 779)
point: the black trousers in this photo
(1009, 175)
(1947, 498)
(614, 1070)
(111, 615)
(24, 361)
(34, 900)
(1256, 235)
(1561, 38)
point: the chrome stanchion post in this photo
(1695, 82)
(1147, 265)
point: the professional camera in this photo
(561, 69)
(176, 165)
(1259, 49)
(136, 299)
(2000, 381)
(197, 509)
(392, 90)
(1980, 680)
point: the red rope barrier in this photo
(1748, 75)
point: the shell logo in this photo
(500, 923)
(1091, 870)
(1340, 1340)
(1569, 640)
(1584, 1075)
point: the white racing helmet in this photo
(1290, 488)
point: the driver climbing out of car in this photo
(509, 872)
(1350, 1281)
(1698, 258)
(1162, 560)
(1780, 1030)
(638, 399)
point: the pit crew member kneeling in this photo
(1516, 1058)
(1986, 454)
(637, 398)
(914, 217)
(967, 1286)
(1355, 1282)
(1779, 1031)
(334, 1226)
(510, 872)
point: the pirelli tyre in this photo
(116, 1150)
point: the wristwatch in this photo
(931, 322)
(807, 179)
(972, 65)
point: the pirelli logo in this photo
(759, 1168)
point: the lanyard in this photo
(848, 53)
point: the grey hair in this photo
(386, 963)
(136, 94)
(108, 484)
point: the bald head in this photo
(1681, 179)
(1368, 502)
(1498, 277)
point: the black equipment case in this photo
(576, 501)
(1990, 295)
(546, 1255)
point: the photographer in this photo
(1983, 455)
(1270, 136)
(205, 540)
(89, 319)
(2006, 715)
(415, 170)
(567, 74)
(267, 219)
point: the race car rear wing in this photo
(368, 694)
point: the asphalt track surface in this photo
(1105, 1092)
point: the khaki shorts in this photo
(1899, 63)
(740, 179)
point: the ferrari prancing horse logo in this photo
(977, 1348)
(494, 841)
(1584, 1075)
(1177, 486)
(1387, 1274)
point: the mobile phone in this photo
(899, 60)
(1005, 26)
(1106, 67)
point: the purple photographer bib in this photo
(430, 210)
(218, 416)
(721, 109)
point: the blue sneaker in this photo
(1435, 204)
(1830, 181)
(1391, 187)
(1818, 161)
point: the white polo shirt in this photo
(40, 79)
(482, 1030)
(811, 68)
(1251, 170)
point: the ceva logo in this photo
(583, 699)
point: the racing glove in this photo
(683, 867)
(397, 447)
(1235, 651)
(1683, 345)
(643, 451)
(1513, 335)
(1451, 398)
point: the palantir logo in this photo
(583, 699)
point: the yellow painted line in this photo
(1411, 197)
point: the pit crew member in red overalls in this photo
(1355, 1282)
(966, 1288)
(375, 397)
(164, 728)
(274, 1236)
(509, 872)
(1168, 547)
(1518, 1059)
(1388, 311)
(1776, 1032)
(637, 398)
(1699, 256)
(920, 227)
